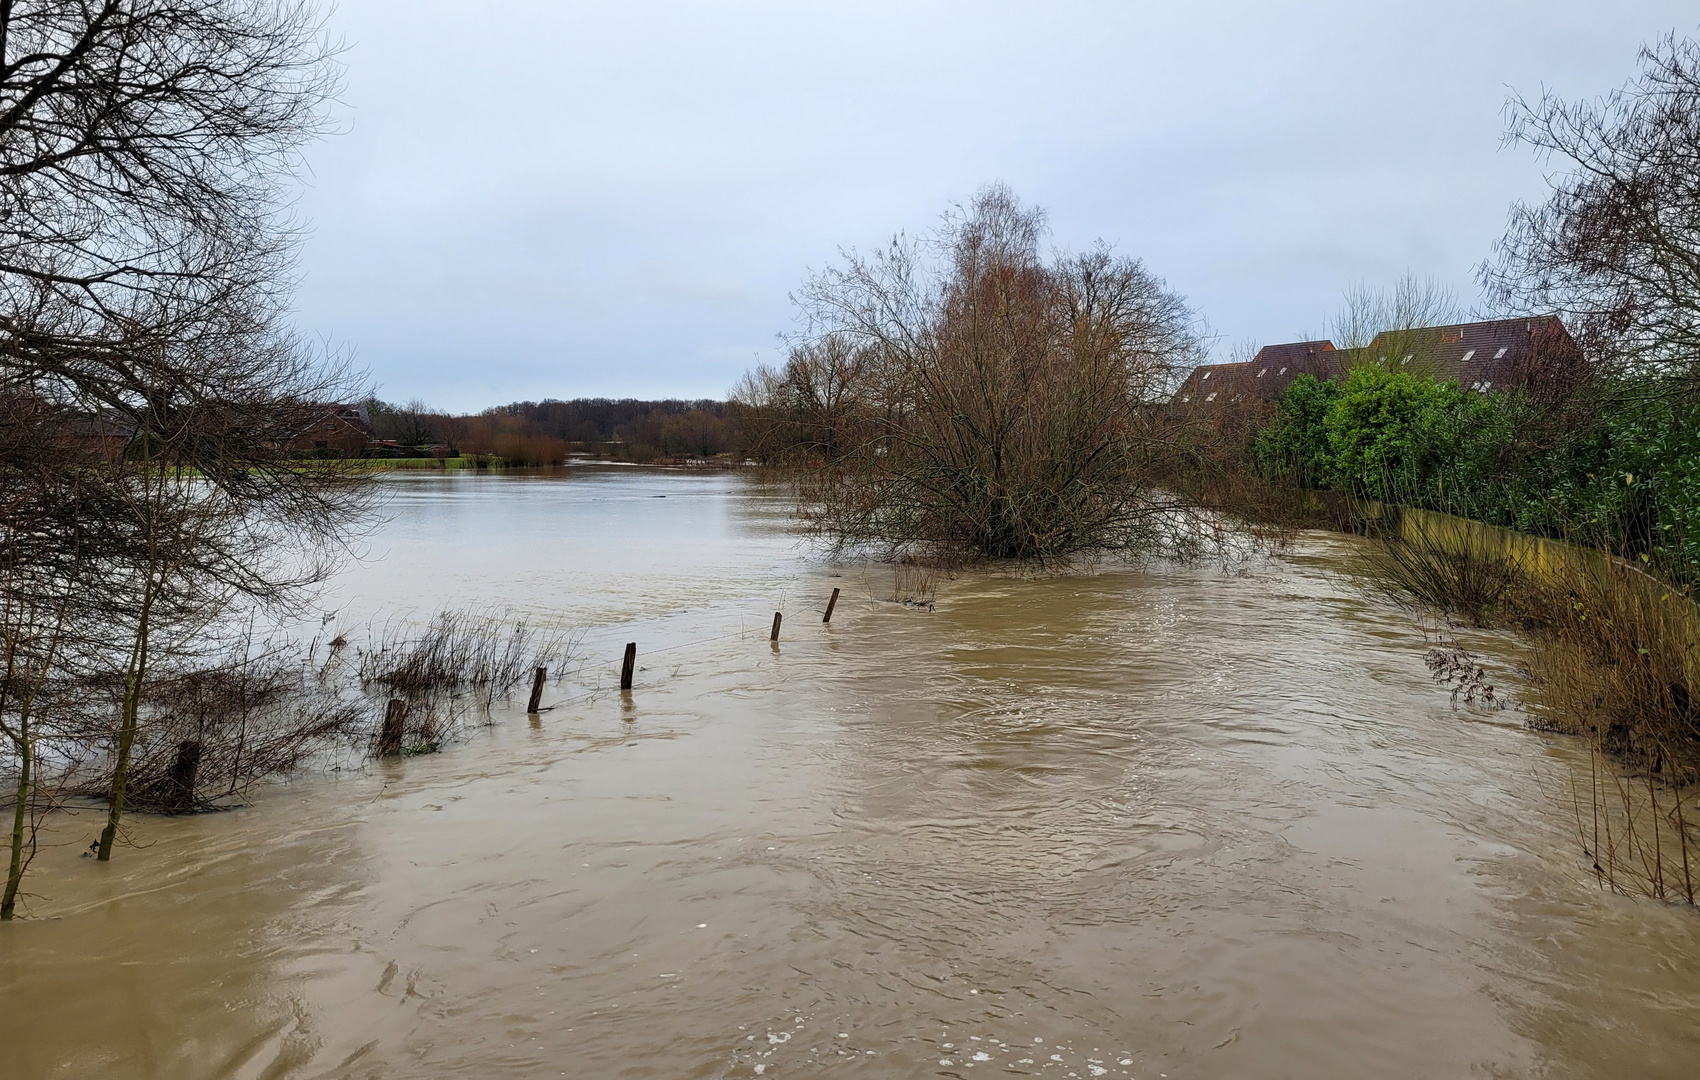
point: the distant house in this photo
(1533, 354)
(334, 431)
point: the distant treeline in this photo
(544, 432)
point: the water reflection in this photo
(1148, 821)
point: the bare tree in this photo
(1615, 248)
(978, 399)
(1394, 319)
(146, 153)
(811, 407)
(416, 424)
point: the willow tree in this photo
(976, 397)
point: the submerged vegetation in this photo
(1613, 657)
(211, 727)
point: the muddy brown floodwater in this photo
(1172, 821)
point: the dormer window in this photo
(1486, 385)
(1283, 371)
(1261, 372)
(1207, 374)
(1500, 355)
(1407, 359)
(1465, 359)
(1210, 396)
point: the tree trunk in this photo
(127, 729)
(20, 821)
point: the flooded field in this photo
(1173, 821)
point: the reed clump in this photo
(1447, 565)
(473, 654)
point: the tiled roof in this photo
(1481, 356)
(1213, 383)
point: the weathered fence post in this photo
(775, 635)
(389, 739)
(537, 690)
(182, 790)
(629, 666)
(830, 604)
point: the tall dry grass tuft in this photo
(1440, 564)
(481, 653)
(915, 581)
(461, 660)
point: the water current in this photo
(1166, 820)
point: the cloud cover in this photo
(539, 199)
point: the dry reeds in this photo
(1440, 564)
(1639, 831)
(478, 654)
(915, 582)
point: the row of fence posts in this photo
(395, 715)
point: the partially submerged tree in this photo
(967, 396)
(146, 153)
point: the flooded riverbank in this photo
(1166, 821)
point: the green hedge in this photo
(1616, 465)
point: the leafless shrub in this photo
(210, 734)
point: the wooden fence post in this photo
(389, 739)
(830, 604)
(630, 665)
(775, 635)
(537, 690)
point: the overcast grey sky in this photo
(550, 199)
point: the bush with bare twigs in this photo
(966, 397)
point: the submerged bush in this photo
(967, 396)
